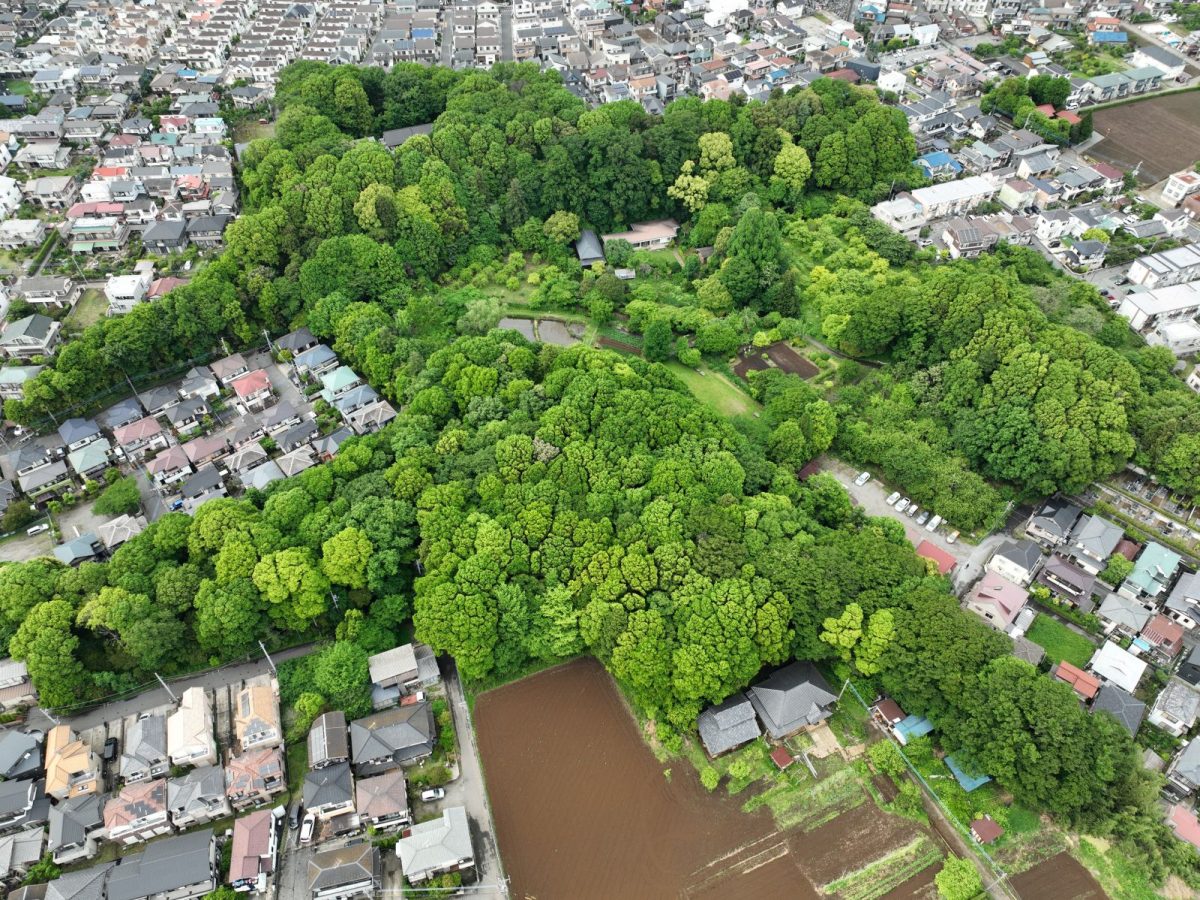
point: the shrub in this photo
(119, 498)
(710, 778)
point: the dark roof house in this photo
(727, 725)
(388, 739)
(1122, 705)
(792, 698)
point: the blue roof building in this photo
(1108, 37)
(912, 727)
(967, 782)
(939, 164)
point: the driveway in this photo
(22, 548)
(79, 520)
(155, 697)
(469, 791)
(872, 498)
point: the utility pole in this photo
(270, 662)
(170, 693)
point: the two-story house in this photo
(30, 337)
(190, 740)
(197, 797)
(145, 752)
(254, 777)
(256, 717)
(137, 812)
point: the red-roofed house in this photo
(1185, 824)
(1047, 109)
(1085, 685)
(252, 391)
(1114, 178)
(944, 561)
(781, 758)
(997, 600)
(1069, 117)
(848, 75)
(1164, 636)
(160, 287)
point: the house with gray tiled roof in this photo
(792, 698)
(1092, 542)
(1176, 708)
(1122, 705)
(727, 725)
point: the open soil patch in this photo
(789, 360)
(920, 887)
(886, 787)
(1163, 134)
(747, 364)
(1059, 878)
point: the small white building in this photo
(1118, 666)
(124, 292)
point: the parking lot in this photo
(872, 498)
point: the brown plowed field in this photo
(1162, 134)
(582, 808)
(1058, 878)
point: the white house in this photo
(1119, 666)
(124, 292)
(10, 196)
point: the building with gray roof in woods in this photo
(792, 698)
(1122, 705)
(727, 725)
(181, 868)
(588, 248)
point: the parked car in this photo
(433, 794)
(892, 498)
(903, 504)
(306, 829)
(862, 479)
(952, 537)
(294, 816)
(923, 517)
(934, 523)
(176, 505)
(912, 510)
(109, 753)
(38, 529)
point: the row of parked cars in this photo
(909, 508)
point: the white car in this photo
(903, 504)
(433, 794)
(38, 529)
(952, 537)
(934, 523)
(892, 498)
(862, 479)
(912, 510)
(306, 829)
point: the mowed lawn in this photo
(1060, 642)
(89, 310)
(715, 390)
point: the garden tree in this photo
(876, 639)
(228, 615)
(1117, 569)
(1096, 234)
(307, 707)
(294, 586)
(690, 189)
(562, 227)
(342, 676)
(481, 316)
(22, 587)
(844, 632)
(47, 646)
(792, 170)
(119, 498)
(345, 556)
(149, 632)
(1049, 89)
(958, 879)
(656, 342)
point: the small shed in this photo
(781, 758)
(588, 248)
(912, 727)
(944, 561)
(888, 712)
(985, 830)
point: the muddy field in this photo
(553, 331)
(1060, 878)
(1162, 134)
(525, 326)
(583, 810)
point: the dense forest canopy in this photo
(563, 502)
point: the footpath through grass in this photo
(1060, 642)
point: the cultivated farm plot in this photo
(1060, 878)
(1163, 134)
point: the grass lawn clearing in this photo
(1060, 642)
(715, 390)
(88, 311)
(1120, 880)
(251, 130)
(296, 760)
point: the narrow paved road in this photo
(156, 697)
(471, 792)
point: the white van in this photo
(892, 498)
(934, 523)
